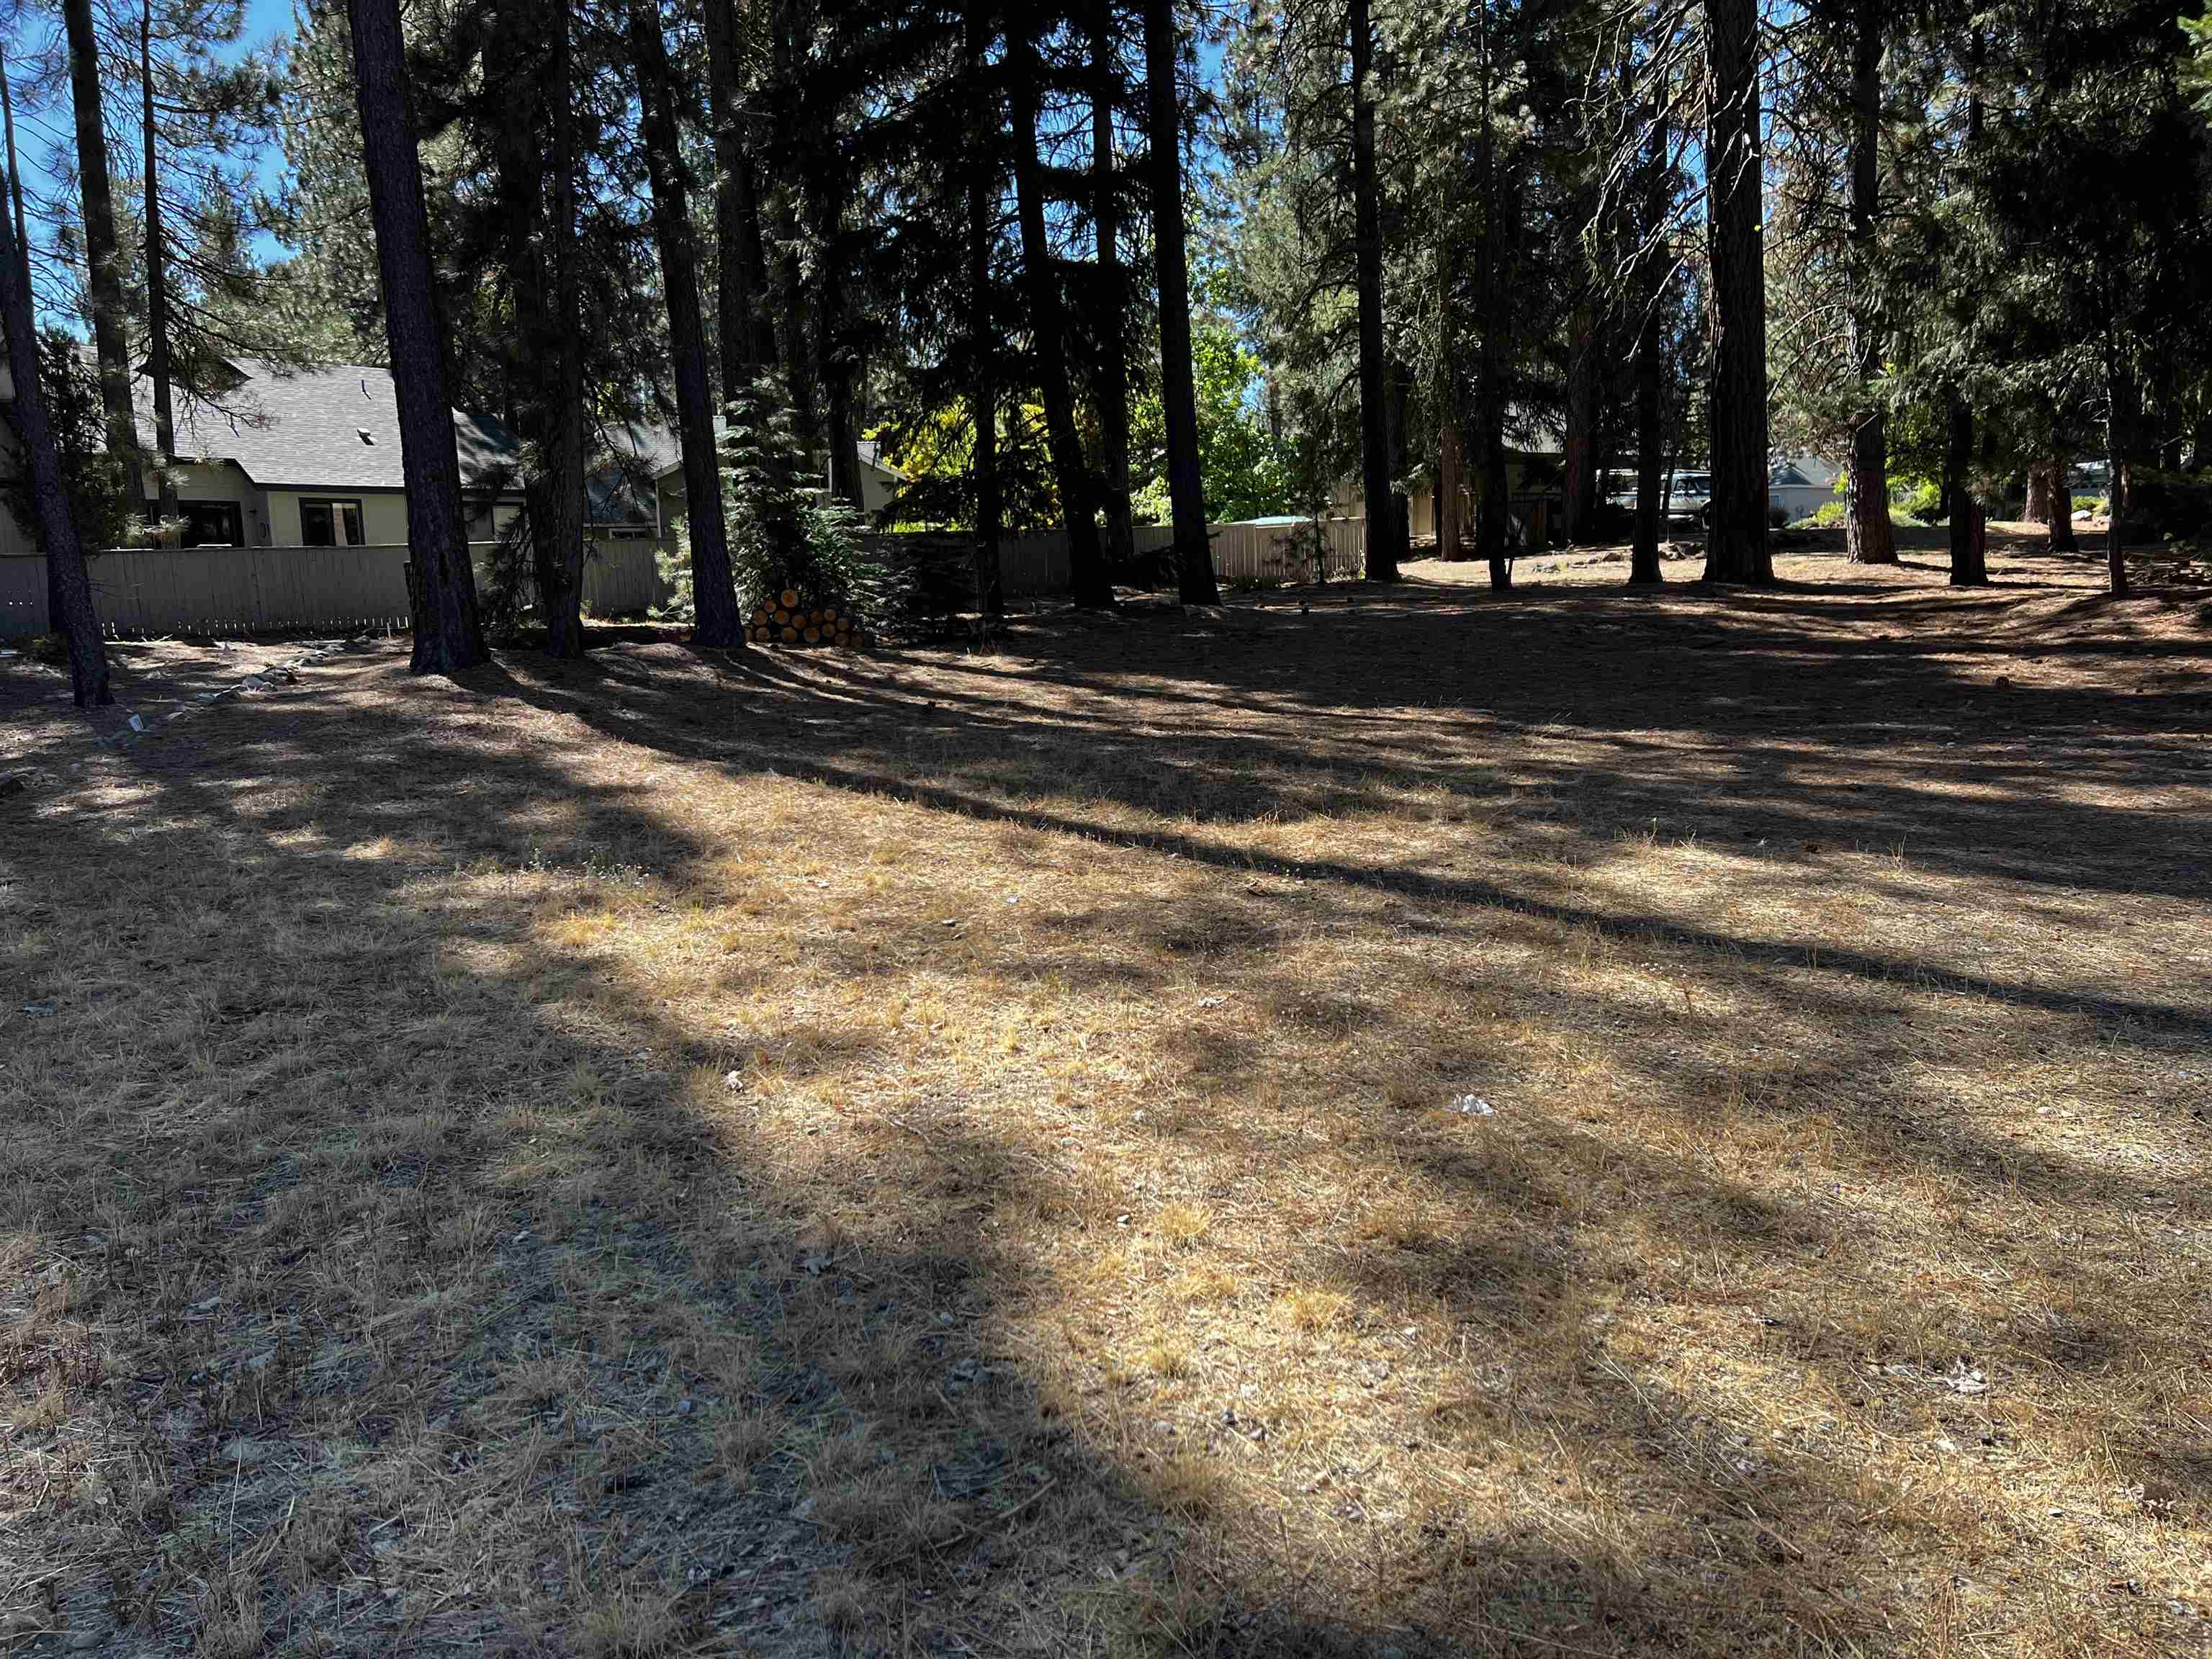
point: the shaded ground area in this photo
(1405, 1121)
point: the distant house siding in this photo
(383, 513)
(13, 538)
(220, 481)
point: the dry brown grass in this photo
(951, 1153)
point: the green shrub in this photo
(784, 534)
(2171, 503)
(1829, 515)
(506, 583)
(1922, 501)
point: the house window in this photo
(211, 524)
(330, 523)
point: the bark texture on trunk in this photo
(1196, 583)
(1652, 476)
(1644, 565)
(1735, 544)
(1451, 484)
(1579, 460)
(1968, 535)
(2062, 503)
(713, 596)
(2036, 507)
(57, 524)
(441, 584)
(54, 597)
(1382, 523)
(1092, 588)
(15, 173)
(740, 315)
(983, 385)
(1497, 510)
(1112, 389)
(2120, 434)
(103, 251)
(157, 282)
(795, 329)
(563, 523)
(1868, 532)
(841, 431)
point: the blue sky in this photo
(36, 132)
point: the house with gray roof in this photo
(636, 489)
(309, 459)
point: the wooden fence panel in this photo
(23, 596)
(622, 578)
(1030, 565)
(159, 591)
(1252, 553)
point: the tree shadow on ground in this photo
(566, 1299)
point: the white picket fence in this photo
(233, 590)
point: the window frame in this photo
(338, 506)
(234, 511)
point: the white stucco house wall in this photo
(305, 459)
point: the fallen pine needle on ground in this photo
(962, 1150)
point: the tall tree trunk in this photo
(1868, 533)
(983, 192)
(1579, 446)
(563, 523)
(739, 314)
(1451, 483)
(157, 282)
(2120, 434)
(103, 251)
(1493, 518)
(1653, 477)
(1969, 563)
(1643, 566)
(717, 624)
(1451, 438)
(1493, 503)
(795, 327)
(54, 597)
(441, 584)
(1383, 524)
(1735, 545)
(15, 173)
(1048, 323)
(50, 499)
(1195, 583)
(832, 350)
(2062, 501)
(2036, 508)
(1113, 378)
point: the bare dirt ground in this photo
(1395, 1121)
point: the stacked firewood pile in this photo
(789, 618)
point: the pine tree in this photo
(1040, 280)
(442, 582)
(57, 522)
(718, 623)
(205, 108)
(102, 245)
(1385, 521)
(1736, 546)
(1194, 554)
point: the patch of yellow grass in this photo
(518, 1148)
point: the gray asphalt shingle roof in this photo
(330, 427)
